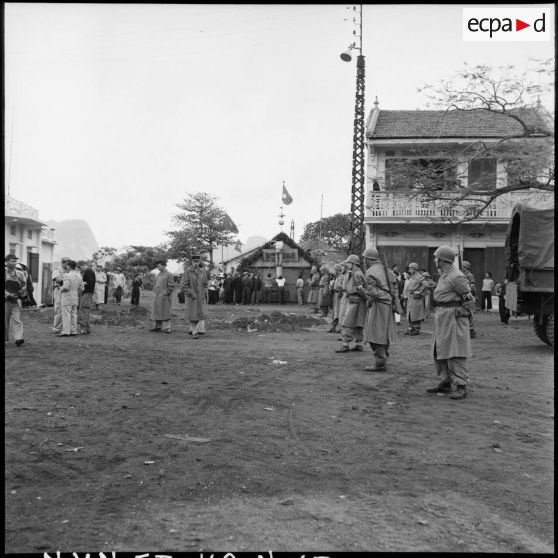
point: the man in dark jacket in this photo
(256, 293)
(86, 299)
(237, 287)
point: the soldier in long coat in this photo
(355, 314)
(417, 289)
(313, 283)
(164, 286)
(471, 304)
(323, 291)
(337, 293)
(379, 328)
(343, 295)
(451, 343)
(193, 285)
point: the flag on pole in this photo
(228, 224)
(286, 197)
(238, 246)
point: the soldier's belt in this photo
(451, 304)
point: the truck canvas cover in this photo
(530, 237)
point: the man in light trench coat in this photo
(451, 342)
(379, 328)
(194, 284)
(164, 286)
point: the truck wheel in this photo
(540, 329)
(550, 330)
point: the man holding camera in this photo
(12, 300)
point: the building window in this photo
(411, 173)
(30, 234)
(482, 173)
(12, 230)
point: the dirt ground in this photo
(258, 436)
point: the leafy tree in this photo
(203, 225)
(139, 259)
(335, 230)
(528, 154)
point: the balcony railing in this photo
(20, 209)
(411, 206)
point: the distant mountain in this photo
(74, 238)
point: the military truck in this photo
(530, 267)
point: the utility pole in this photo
(357, 241)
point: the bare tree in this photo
(509, 106)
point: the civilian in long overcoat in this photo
(164, 286)
(193, 285)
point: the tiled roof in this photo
(399, 124)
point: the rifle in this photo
(459, 259)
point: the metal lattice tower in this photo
(357, 192)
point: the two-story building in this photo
(408, 228)
(32, 241)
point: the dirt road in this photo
(130, 440)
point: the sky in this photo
(114, 112)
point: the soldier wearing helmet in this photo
(355, 313)
(323, 291)
(313, 283)
(336, 294)
(451, 343)
(416, 289)
(379, 329)
(471, 304)
(342, 294)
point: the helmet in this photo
(414, 266)
(354, 259)
(371, 254)
(324, 268)
(466, 264)
(338, 267)
(445, 253)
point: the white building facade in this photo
(408, 227)
(32, 241)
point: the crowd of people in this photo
(364, 300)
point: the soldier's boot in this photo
(459, 393)
(333, 326)
(343, 349)
(380, 353)
(442, 387)
(357, 348)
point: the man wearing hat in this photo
(72, 285)
(194, 284)
(12, 301)
(213, 289)
(416, 289)
(57, 281)
(163, 289)
(451, 342)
